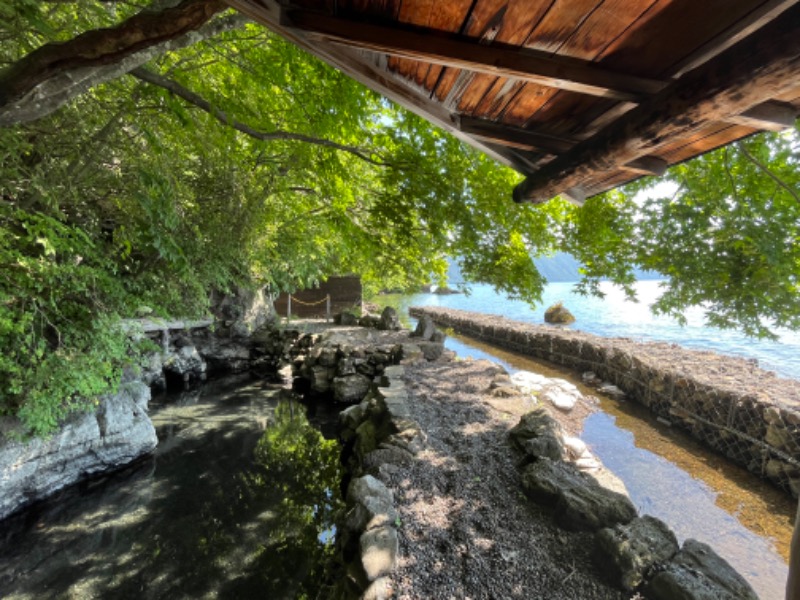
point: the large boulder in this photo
(425, 329)
(698, 573)
(351, 388)
(242, 312)
(626, 553)
(538, 435)
(185, 365)
(580, 502)
(558, 314)
(389, 321)
(117, 433)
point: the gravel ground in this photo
(467, 531)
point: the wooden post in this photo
(289, 308)
(793, 582)
(328, 308)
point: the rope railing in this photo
(326, 300)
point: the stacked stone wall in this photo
(729, 404)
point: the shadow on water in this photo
(671, 476)
(238, 501)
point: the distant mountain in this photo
(559, 267)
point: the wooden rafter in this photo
(772, 116)
(435, 47)
(731, 83)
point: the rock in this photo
(528, 382)
(117, 433)
(369, 321)
(346, 319)
(389, 320)
(538, 435)
(559, 398)
(580, 502)
(425, 328)
(591, 378)
(370, 512)
(612, 391)
(558, 314)
(628, 552)
(390, 455)
(351, 388)
(380, 589)
(412, 353)
(431, 350)
(185, 365)
(698, 573)
(574, 446)
(367, 486)
(379, 549)
(245, 310)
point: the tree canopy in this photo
(215, 154)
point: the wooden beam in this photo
(771, 116)
(648, 165)
(515, 137)
(764, 65)
(501, 60)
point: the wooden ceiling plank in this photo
(771, 116)
(557, 72)
(763, 65)
(563, 19)
(671, 31)
(762, 15)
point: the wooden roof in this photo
(578, 95)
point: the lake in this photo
(614, 316)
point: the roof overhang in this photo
(579, 96)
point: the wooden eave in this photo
(580, 96)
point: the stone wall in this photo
(745, 413)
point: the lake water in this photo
(614, 316)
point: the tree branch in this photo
(768, 172)
(50, 76)
(176, 88)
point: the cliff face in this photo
(117, 433)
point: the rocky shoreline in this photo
(465, 487)
(745, 413)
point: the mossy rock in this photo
(558, 315)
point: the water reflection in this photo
(238, 501)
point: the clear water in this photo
(614, 316)
(238, 502)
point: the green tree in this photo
(215, 154)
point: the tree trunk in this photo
(53, 74)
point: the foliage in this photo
(132, 196)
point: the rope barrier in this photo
(325, 299)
